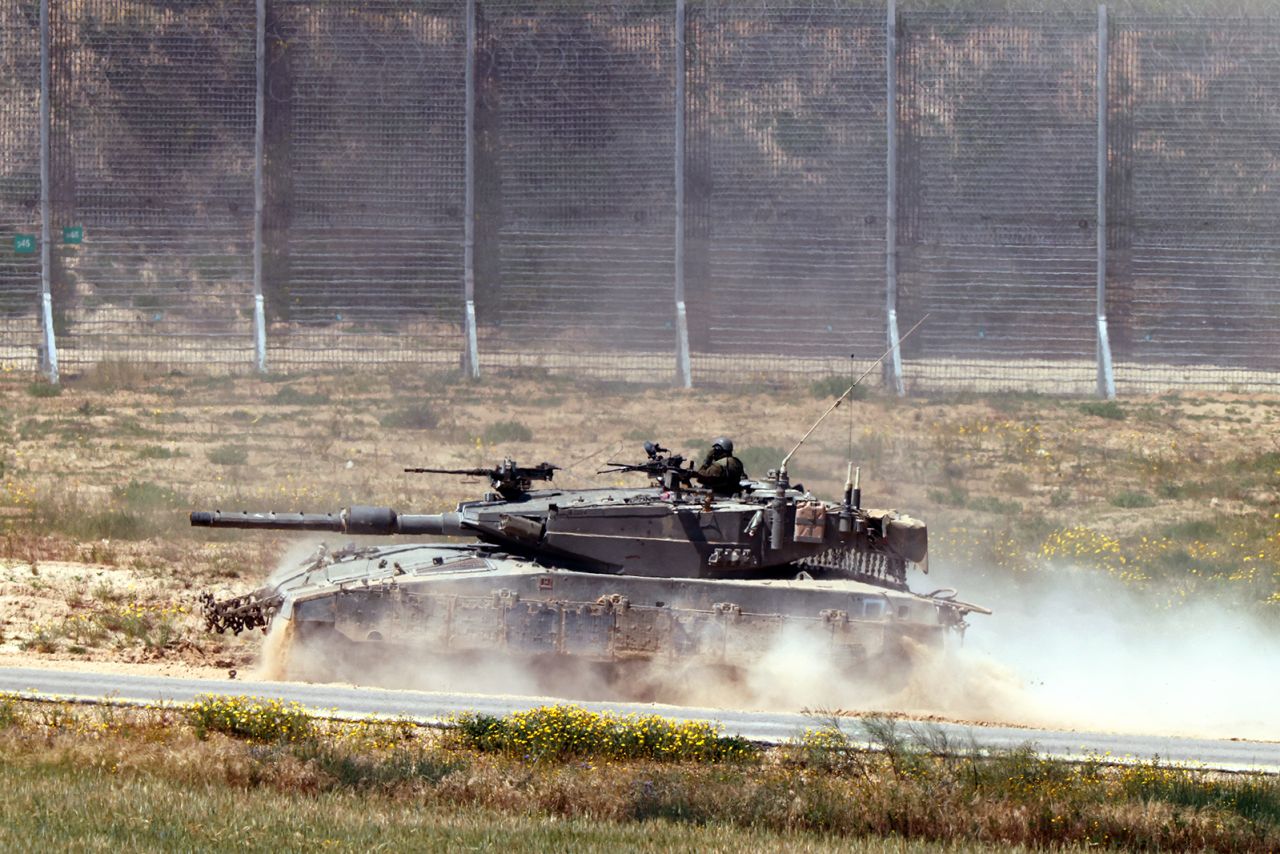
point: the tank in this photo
(662, 573)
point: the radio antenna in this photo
(839, 400)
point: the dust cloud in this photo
(1084, 651)
(1064, 649)
(273, 663)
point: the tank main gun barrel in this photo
(356, 519)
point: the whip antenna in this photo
(782, 468)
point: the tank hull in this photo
(474, 601)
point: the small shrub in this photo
(105, 592)
(83, 630)
(829, 388)
(884, 734)
(827, 748)
(1194, 529)
(991, 504)
(1130, 500)
(672, 797)
(1103, 409)
(112, 374)
(131, 427)
(418, 416)
(143, 495)
(1014, 483)
(506, 431)
(291, 396)
(1263, 465)
(355, 771)
(10, 711)
(228, 455)
(156, 452)
(43, 639)
(1255, 798)
(44, 389)
(1019, 774)
(558, 732)
(152, 627)
(251, 718)
(952, 496)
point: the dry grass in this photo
(817, 793)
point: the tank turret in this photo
(765, 531)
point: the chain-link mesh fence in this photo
(570, 121)
(152, 155)
(1194, 293)
(19, 183)
(997, 117)
(363, 208)
(577, 129)
(787, 169)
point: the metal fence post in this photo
(49, 364)
(891, 197)
(683, 363)
(1106, 378)
(259, 129)
(471, 357)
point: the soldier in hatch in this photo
(721, 471)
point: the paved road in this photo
(772, 727)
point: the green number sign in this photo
(73, 234)
(24, 244)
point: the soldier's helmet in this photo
(723, 444)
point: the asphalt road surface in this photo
(770, 727)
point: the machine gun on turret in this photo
(509, 480)
(663, 467)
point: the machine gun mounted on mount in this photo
(509, 480)
(663, 467)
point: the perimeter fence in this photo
(1078, 199)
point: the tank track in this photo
(250, 611)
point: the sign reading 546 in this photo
(24, 244)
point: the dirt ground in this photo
(99, 568)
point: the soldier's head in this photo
(722, 447)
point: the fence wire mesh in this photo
(152, 154)
(20, 184)
(1195, 272)
(787, 178)
(364, 200)
(577, 129)
(997, 118)
(576, 167)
